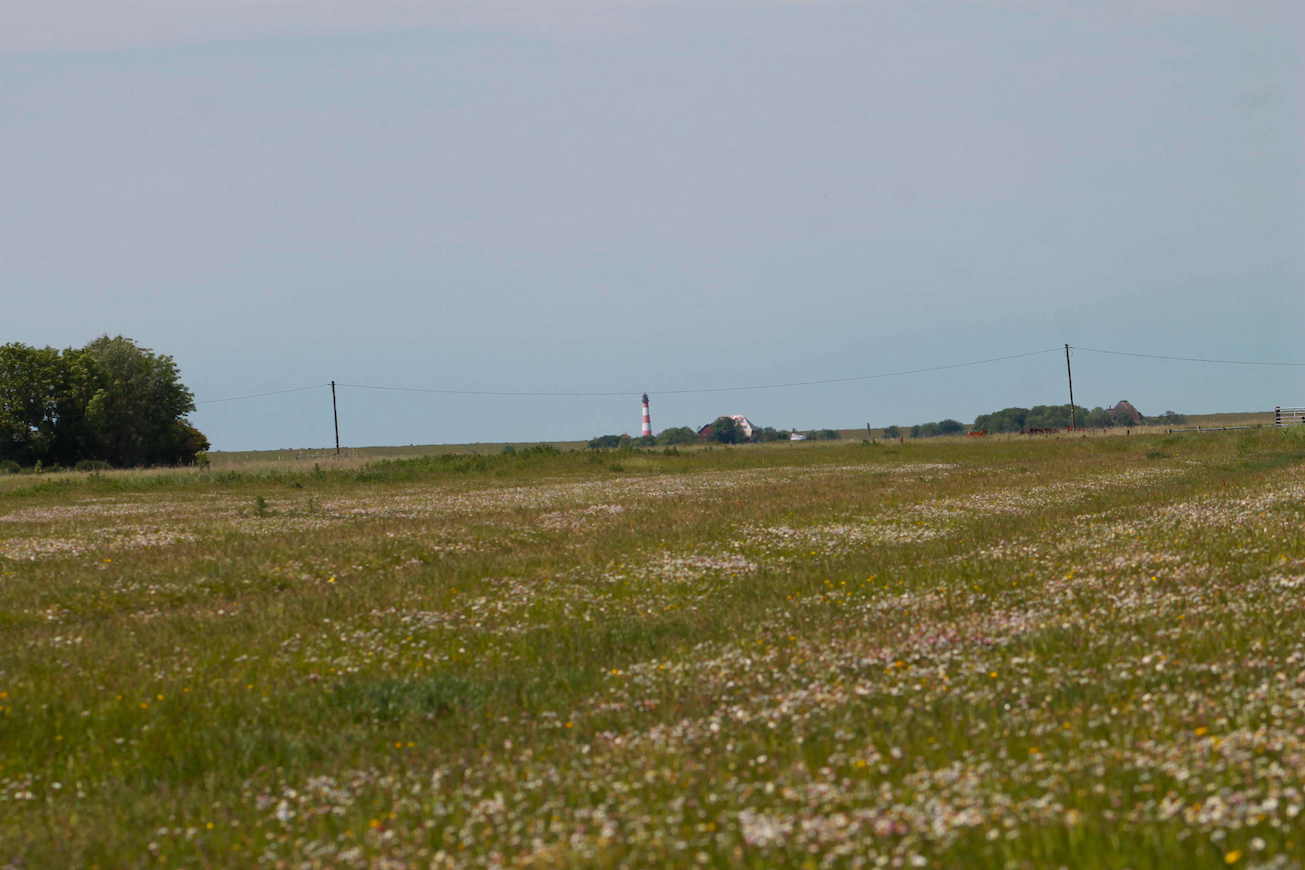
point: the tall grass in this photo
(1080, 652)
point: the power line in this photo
(778, 386)
(961, 365)
(491, 393)
(519, 394)
(1226, 362)
(261, 395)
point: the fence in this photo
(1288, 416)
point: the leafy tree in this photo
(726, 431)
(1053, 417)
(677, 435)
(140, 398)
(181, 445)
(607, 441)
(942, 427)
(1099, 418)
(43, 398)
(110, 401)
(1048, 417)
(1005, 420)
(75, 437)
(30, 381)
(892, 432)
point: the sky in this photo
(574, 196)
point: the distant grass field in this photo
(1238, 418)
(1083, 652)
(1245, 418)
(356, 456)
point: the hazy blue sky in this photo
(631, 195)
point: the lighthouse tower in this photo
(647, 417)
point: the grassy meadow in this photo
(1082, 652)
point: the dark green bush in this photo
(677, 435)
(769, 433)
(725, 430)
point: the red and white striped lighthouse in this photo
(647, 418)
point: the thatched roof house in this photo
(1124, 412)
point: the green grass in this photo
(1080, 652)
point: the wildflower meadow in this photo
(1059, 652)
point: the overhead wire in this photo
(926, 369)
(514, 394)
(261, 395)
(1197, 359)
(674, 392)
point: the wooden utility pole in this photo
(335, 415)
(1073, 418)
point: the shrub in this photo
(537, 451)
(92, 465)
(8, 466)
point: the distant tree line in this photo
(823, 435)
(942, 427)
(1037, 417)
(110, 403)
(726, 430)
(722, 430)
(1059, 417)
